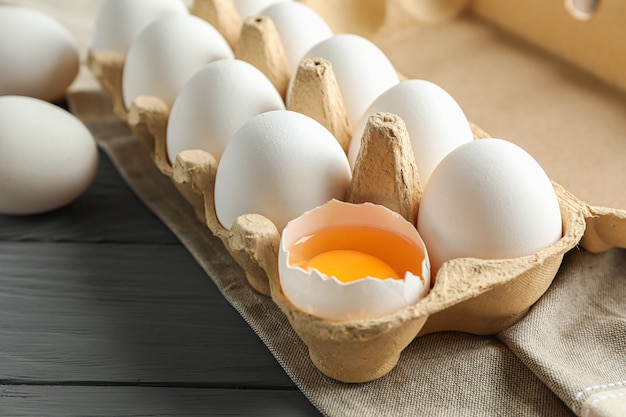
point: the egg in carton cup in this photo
(479, 296)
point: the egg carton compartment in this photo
(469, 295)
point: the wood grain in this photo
(104, 312)
(122, 312)
(107, 401)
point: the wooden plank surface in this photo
(103, 311)
(79, 401)
(107, 212)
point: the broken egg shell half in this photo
(368, 298)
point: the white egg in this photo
(167, 53)
(247, 8)
(38, 56)
(279, 164)
(47, 156)
(118, 22)
(216, 102)
(336, 229)
(434, 120)
(299, 27)
(362, 70)
(488, 199)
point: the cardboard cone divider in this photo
(223, 15)
(470, 295)
(259, 44)
(315, 93)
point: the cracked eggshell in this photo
(367, 298)
(488, 199)
(362, 70)
(434, 120)
(279, 164)
(215, 103)
(167, 53)
(299, 27)
(47, 156)
(39, 57)
(118, 22)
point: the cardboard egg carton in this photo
(469, 295)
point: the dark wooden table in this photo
(104, 312)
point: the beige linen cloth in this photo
(566, 357)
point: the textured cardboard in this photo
(471, 295)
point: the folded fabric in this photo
(568, 355)
(574, 338)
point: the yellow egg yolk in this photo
(354, 252)
(350, 265)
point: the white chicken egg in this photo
(247, 8)
(279, 164)
(216, 102)
(488, 199)
(362, 70)
(167, 53)
(343, 261)
(47, 156)
(118, 22)
(299, 28)
(434, 120)
(38, 56)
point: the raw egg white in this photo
(343, 261)
(488, 199)
(279, 164)
(362, 70)
(216, 102)
(435, 122)
(38, 56)
(299, 28)
(167, 53)
(118, 22)
(47, 156)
